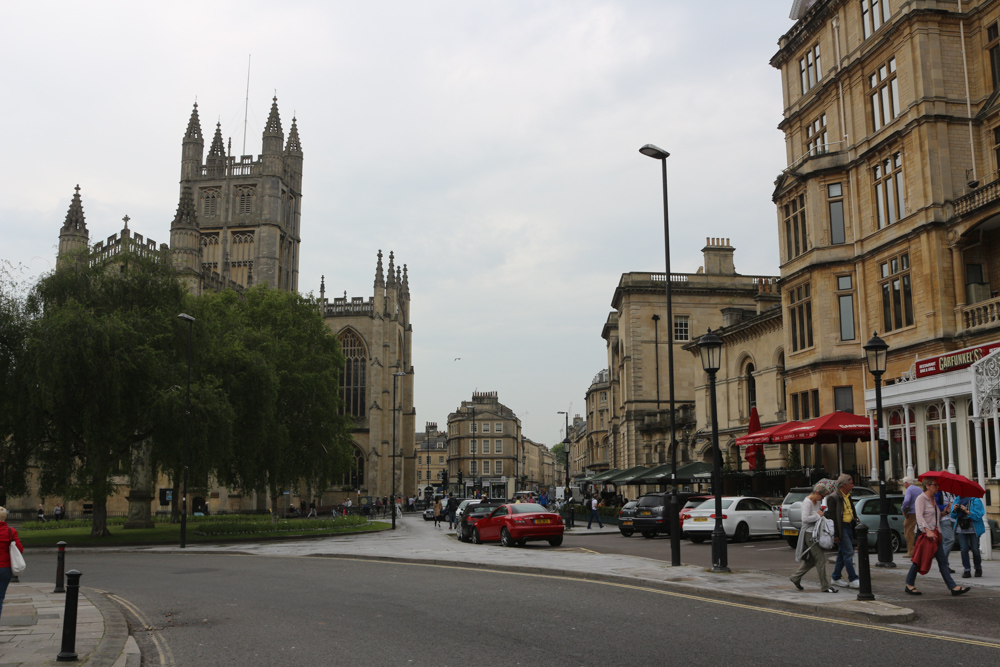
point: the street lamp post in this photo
(876, 352)
(710, 346)
(474, 446)
(187, 419)
(392, 499)
(675, 533)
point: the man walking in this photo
(909, 513)
(452, 507)
(841, 510)
(594, 513)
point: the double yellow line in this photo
(163, 651)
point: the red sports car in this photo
(517, 523)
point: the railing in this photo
(662, 277)
(979, 197)
(981, 314)
(357, 306)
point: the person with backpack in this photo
(8, 536)
(968, 514)
(808, 551)
(452, 508)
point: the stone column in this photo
(140, 496)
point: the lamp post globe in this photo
(710, 348)
(876, 354)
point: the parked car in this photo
(625, 516)
(515, 524)
(474, 511)
(651, 517)
(743, 517)
(790, 512)
(868, 509)
(691, 503)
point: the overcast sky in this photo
(492, 145)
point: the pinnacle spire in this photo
(406, 282)
(392, 271)
(75, 220)
(293, 145)
(218, 149)
(186, 212)
(273, 125)
(379, 279)
(194, 125)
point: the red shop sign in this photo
(953, 361)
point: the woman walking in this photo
(438, 511)
(968, 515)
(7, 536)
(928, 524)
(808, 552)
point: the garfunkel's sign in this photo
(954, 361)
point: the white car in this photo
(742, 518)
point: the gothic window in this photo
(751, 388)
(244, 199)
(241, 255)
(355, 477)
(210, 202)
(210, 252)
(353, 381)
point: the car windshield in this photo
(527, 508)
(629, 505)
(710, 504)
(650, 501)
(694, 502)
(795, 497)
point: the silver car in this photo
(790, 512)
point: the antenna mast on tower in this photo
(246, 106)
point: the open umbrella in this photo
(949, 482)
(765, 435)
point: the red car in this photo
(515, 524)
(691, 503)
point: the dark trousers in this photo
(594, 515)
(845, 555)
(5, 576)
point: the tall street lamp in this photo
(187, 419)
(392, 500)
(876, 352)
(710, 346)
(566, 444)
(675, 533)
(474, 445)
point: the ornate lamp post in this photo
(395, 409)
(876, 353)
(187, 419)
(710, 347)
(675, 533)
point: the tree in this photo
(13, 326)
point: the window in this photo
(805, 405)
(996, 143)
(835, 204)
(816, 136)
(420, 474)
(810, 70)
(486, 446)
(843, 399)
(498, 427)
(993, 47)
(473, 428)
(244, 201)
(210, 206)
(420, 460)
(897, 294)
(472, 447)
(884, 94)
(682, 331)
(486, 427)
(352, 380)
(440, 459)
(486, 467)
(800, 316)
(889, 200)
(473, 468)
(796, 241)
(873, 14)
(498, 467)
(498, 446)
(751, 388)
(845, 304)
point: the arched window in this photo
(353, 381)
(751, 388)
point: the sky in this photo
(491, 145)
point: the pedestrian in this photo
(968, 514)
(7, 536)
(438, 510)
(909, 518)
(452, 508)
(594, 514)
(944, 502)
(841, 506)
(57, 512)
(928, 523)
(312, 510)
(808, 551)
(41, 513)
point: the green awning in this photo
(655, 475)
(626, 476)
(604, 475)
(697, 469)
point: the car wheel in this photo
(555, 541)
(648, 534)
(742, 533)
(897, 543)
(627, 532)
(697, 539)
(793, 542)
(463, 535)
(476, 539)
(505, 538)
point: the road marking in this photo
(162, 648)
(698, 598)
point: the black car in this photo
(473, 513)
(651, 517)
(625, 517)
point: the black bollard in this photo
(864, 571)
(60, 567)
(68, 652)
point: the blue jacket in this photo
(976, 513)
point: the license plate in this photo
(627, 522)
(701, 518)
(645, 514)
(543, 520)
(791, 532)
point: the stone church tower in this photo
(237, 221)
(376, 337)
(74, 236)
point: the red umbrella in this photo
(949, 482)
(833, 427)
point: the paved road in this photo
(229, 609)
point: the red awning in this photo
(834, 427)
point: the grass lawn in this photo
(170, 533)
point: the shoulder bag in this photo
(17, 563)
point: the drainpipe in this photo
(968, 102)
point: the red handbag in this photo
(924, 551)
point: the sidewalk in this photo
(32, 624)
